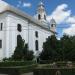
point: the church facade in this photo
(14, 23)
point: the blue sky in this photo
(50, 5)
(63, 11)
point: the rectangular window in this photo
(36, 45)
(0, 43)
(19, 27)
(1, 26)
(36, 34)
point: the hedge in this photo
(17, 70)
(16, 63)
(57, 71)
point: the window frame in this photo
(52, 25)
(0, 43)
(19, 27)
(36, 45)
(36, 34)
(1, 26)
(45, 17)
(39, 16)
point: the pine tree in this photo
(49, 49)
(21, 51)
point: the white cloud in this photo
(26, 4)
(60, 13)
(23, 4)
(19, 3)
(71, 20)
(70, 30)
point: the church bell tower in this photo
(41, 13)
(53, 25)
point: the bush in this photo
(16, 63)
(45, 61)
(22, 51)
(18, 70)
(28, 68)
(58, 71)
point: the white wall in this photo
(9, 36)
(3, 18)
(13, 32)
(42, 35)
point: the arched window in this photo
(39, 17)
(52, 25)
(19, 27)
(36, 34)
(0, 43)
(1, 26)
(36, 45)
(45, 17)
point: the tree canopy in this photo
(21, 51)
(59, 50)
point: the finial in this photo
(41, 3)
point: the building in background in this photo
(14, 22)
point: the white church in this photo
(34, 30)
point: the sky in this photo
(63, 11)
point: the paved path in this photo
(31, 73)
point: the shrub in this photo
(16, 63)
(58, 71)
(18, 70)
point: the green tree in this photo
(71, 54)
(59, 50)
(21, 51)
(68, 48)
(18, 53)
(50, 48)
(27, 54)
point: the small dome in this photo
(52, 21)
